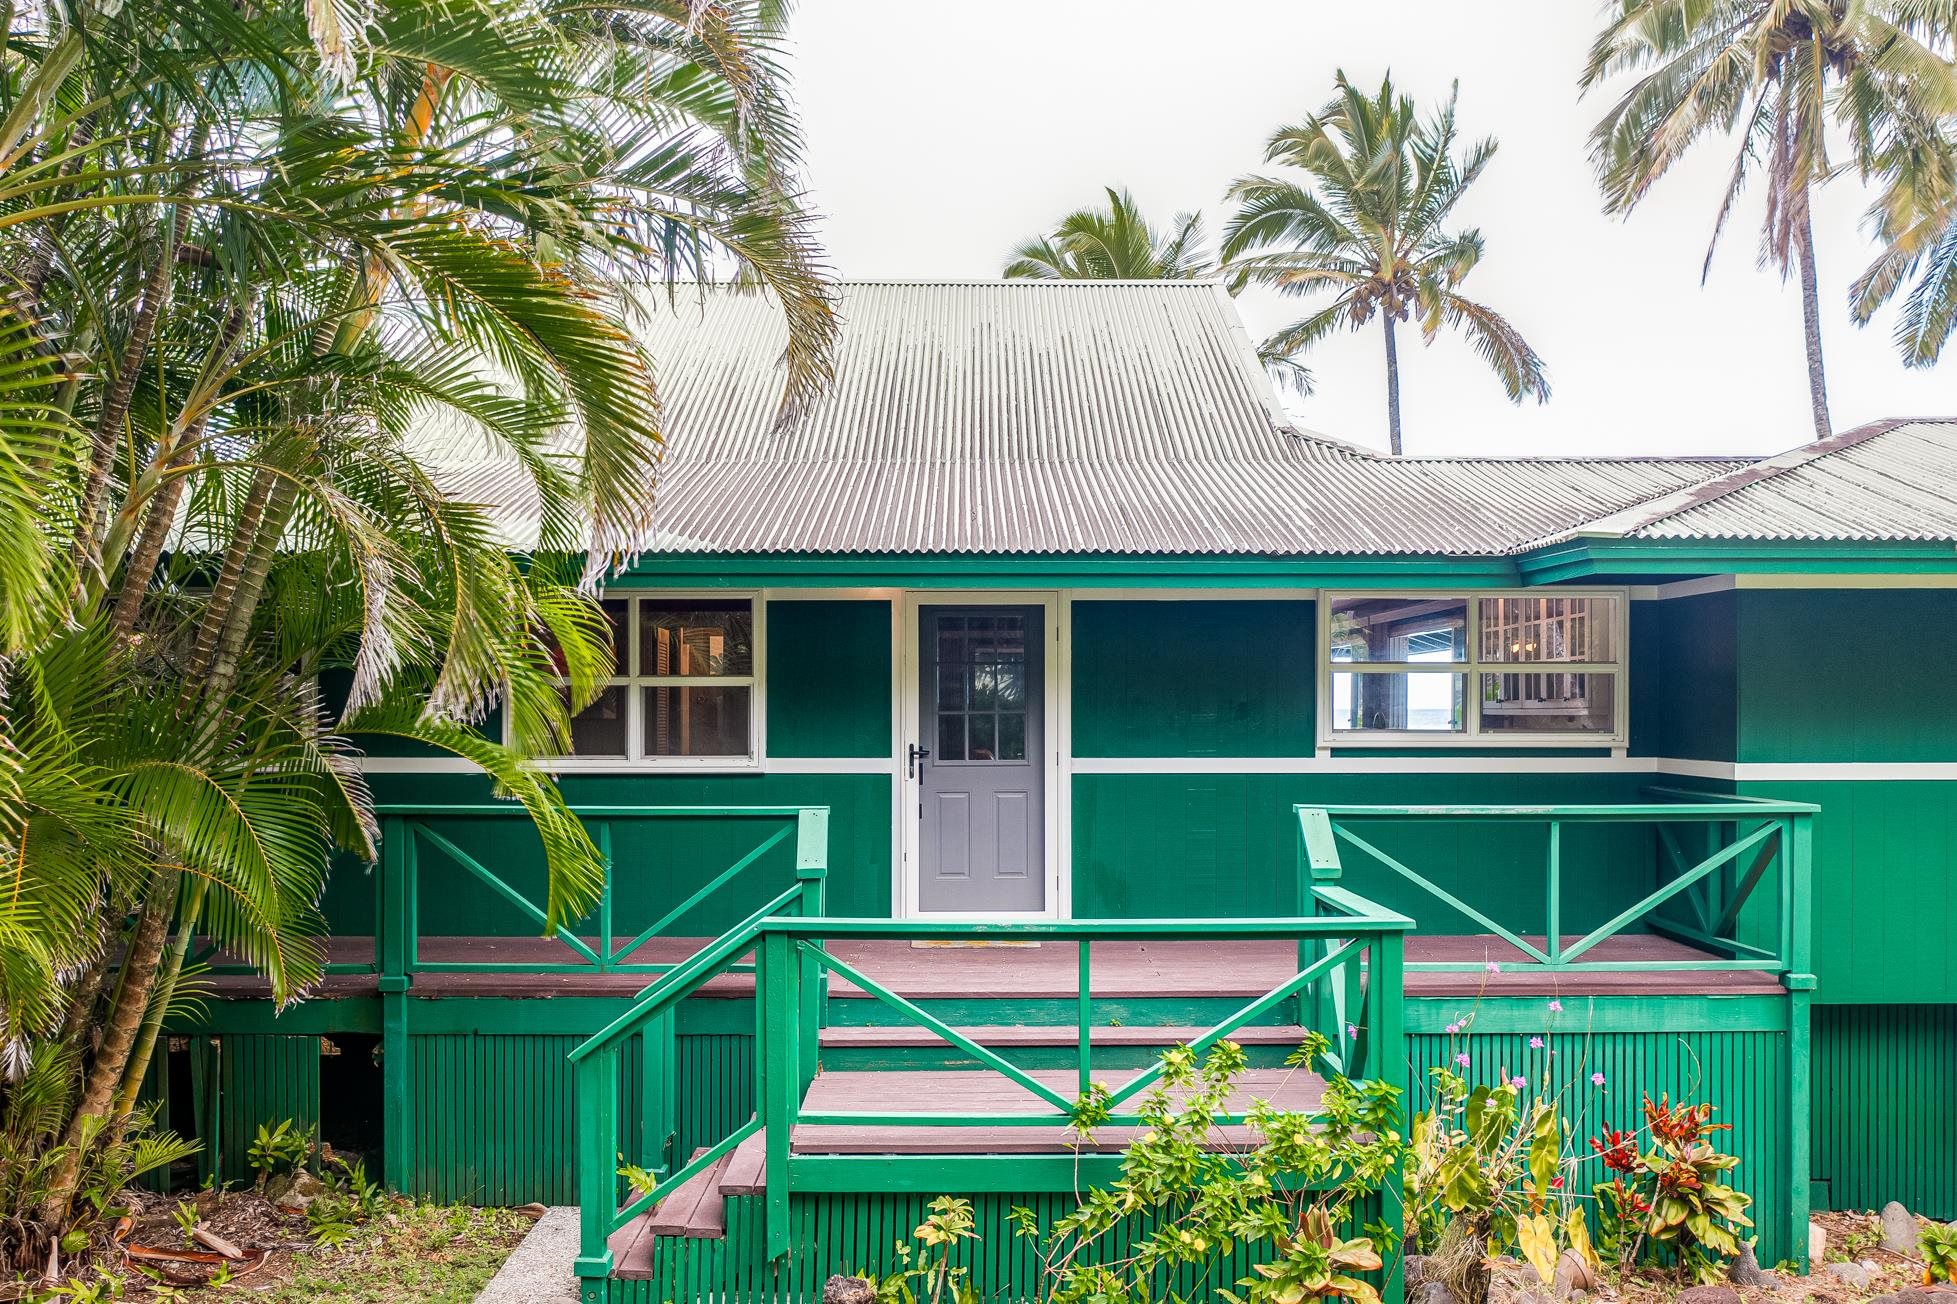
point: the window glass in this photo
(1417, 701)
(1399, 629)
(599, 729)
(696, 720)
(1549, 703)
(1548, 629)
(695, 637)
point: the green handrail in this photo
(789, 943)
(1775, 832)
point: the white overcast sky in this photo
(942, 133)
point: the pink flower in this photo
(1556, 1007)
(1462, 1059)
(1535, 1043)
(1351, 1032)
(1453, 1028)
(1518, 1082)
(1493, 967)
(1596, 1079)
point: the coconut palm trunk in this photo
(1392, 386)
(1811, 326)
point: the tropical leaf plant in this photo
(1116, 243)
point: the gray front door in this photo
(982, 835)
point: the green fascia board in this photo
(1052, 570)
(1602, 558)
(576, 1016)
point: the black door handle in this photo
(919, 755)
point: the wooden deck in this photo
(1121, 970)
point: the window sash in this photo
(1471, 671)
(632, 685)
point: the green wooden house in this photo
(1044, 697)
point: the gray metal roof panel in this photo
(1048, 417)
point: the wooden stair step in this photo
(696, 1210)
(910, 1034)
(746, 1172)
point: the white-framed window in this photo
(1527, 667)
(685, 692)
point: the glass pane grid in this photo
(1542, 664)
(981, 689)
(701, 707)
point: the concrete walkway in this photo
(539, 1270)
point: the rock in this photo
(1415, 1270)
(1573, 1274)
(210, 1240)
(1851, 1274)
(1745, 1270)
(295, 1190)
(532, 1211)
(1817, 1245)
(1709, 1295)
(1898, 1230)
(1918, 1295)
(848, 1290)
(1433, 1292)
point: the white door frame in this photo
(1053, 747)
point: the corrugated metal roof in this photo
(1051, 417)
(1891, 481)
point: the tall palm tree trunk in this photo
(1811, 326)
(1392, 386)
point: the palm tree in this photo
(250, 260)
(1369, 226)
(1772, 73)
(1914, 153)
(1115, 243)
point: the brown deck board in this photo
(913, 1091)
(747, 1168)
(1054, 1035)
(1241, 969)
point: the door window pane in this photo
(599, 729)
(696, 637)
(1548, 629)
(1549, 703)
(1399, 629)
(703, 720)
(981, 693)
(1419, 701)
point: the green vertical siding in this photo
(828, 678)
(1847, 675)
(1885, 887)
(1193, 678)
(1225, 844)
(262, 1080)
(493, 1116)
(1884, 1128)
(1743, 1074)
(1685, 677)
(857, 1233)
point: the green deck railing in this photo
(1701, 896)
(409, 833)
(1362, 1021)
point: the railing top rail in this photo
(841, 928)
(1750, 808)
(605, 812)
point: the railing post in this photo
(1084, 1009)
(1797, 852)
(1318, 864)
(394, 962)
(778, 1092)
(597, 1084)
(605, 956)
(1388, 1062)
(1555, 919)
(659, 1090)
(812, 872)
